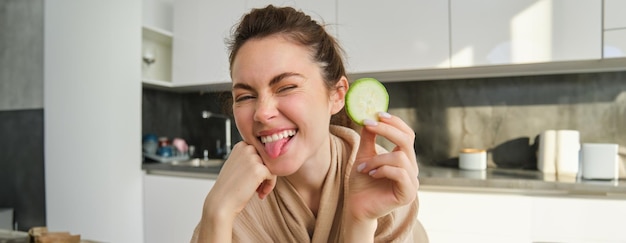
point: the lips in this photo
(275, 143)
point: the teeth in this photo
(278, 136)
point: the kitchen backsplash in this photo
(173, 115)
(503, 115)
(22, 182)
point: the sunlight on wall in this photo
(531, 33)
(464, 57)
(612, 52)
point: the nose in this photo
(265, 110)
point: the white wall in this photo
(92, 105)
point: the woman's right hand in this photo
(241, 176)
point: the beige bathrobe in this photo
(284, 217)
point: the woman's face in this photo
(281, 105)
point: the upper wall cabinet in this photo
(323, 11)
(614, 17)
(203, 27)
(492, 32)
(393, 36)
(614, 28)
(200, 52)
(157, 14)
(156, 43)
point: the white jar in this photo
(473, 159)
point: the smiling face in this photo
(281, 105)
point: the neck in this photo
(309, 179)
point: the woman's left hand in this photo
(380, 183)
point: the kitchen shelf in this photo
(157, 83)
(156, 57)
(157, 33)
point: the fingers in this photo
(395, 159)
(406, 185)
(265, 180)
(400, 165)
(266, 187)
(394, 129)
(367, 145)
(241, 176)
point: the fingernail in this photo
(360, 167)
(384, 114)
(369, 122)
(372, 172)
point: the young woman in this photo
(314, 182)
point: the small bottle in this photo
(219, 151)
(192, 151)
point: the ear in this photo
(338, 95)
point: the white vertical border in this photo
(92, 119)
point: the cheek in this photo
(243, 121)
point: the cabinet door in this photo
(614, 16)
(323, 11)
(488, 32)
(578, 220)
(157, 14)
(201, 29)
(615, 43)
(475, 217)
(172, 207)
(396, 35)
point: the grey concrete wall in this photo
(505, 115)
(21, 54)
(21, 111)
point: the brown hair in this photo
(301, 29)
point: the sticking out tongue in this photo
(273, 149)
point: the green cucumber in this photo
(366, 97)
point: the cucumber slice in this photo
(365, 98)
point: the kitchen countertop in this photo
(528, 182)
(514, 181)
(157, 168)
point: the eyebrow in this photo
(273, 81)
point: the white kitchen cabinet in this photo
(156, 42)
(157, 14)
(394, 36)
(493, 32)
(615, 43)
(156, 59)
(202, 28)
(451, 216)
(172, 207)
(578, 220)
(475, 217)
(614, 29)
(323, 11)
(614, 17)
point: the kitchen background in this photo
(172, 115)
(503, 115)
(496, 113)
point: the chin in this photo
(282, 167)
